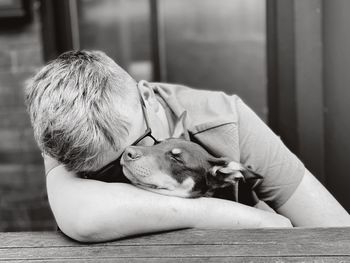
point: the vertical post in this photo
(281, 71)
(295, 82)
(336, 36)
(272, 64)
(74, 23)
(158, 45)
(124, 35)
(48, 32)
(309, 85)
(59, 27)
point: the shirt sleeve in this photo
(264, 152)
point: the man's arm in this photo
(312, 205)
(92, 211)
(288, 187)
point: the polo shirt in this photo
(225, 126)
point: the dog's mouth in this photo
(136, 181)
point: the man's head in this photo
(80, 106)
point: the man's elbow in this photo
(88, 228)
(275, 220)
(80, 232)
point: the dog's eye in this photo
(176, 158)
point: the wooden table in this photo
(244, 245)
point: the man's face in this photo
(156, 119)
(135, 129)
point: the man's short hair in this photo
(78, 107)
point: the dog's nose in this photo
(131, 154)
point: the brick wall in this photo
(23, 200)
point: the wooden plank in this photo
(187, 243)
(190, 237)
(173, 251)
(247, 259)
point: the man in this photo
(85, 110)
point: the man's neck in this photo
(164, 122)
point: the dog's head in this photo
(180, 168)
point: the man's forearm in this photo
(93, 211)
(320, 208)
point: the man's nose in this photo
(131, 154)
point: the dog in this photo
(180, 167)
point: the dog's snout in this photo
(131, 154)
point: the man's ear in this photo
(180, 130)
(148, 95)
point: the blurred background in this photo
(288, 59)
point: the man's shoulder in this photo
(201, 102)
(182, 91)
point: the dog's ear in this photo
(180, 129)
(221, 174)
(224, 172)
(249, 174)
